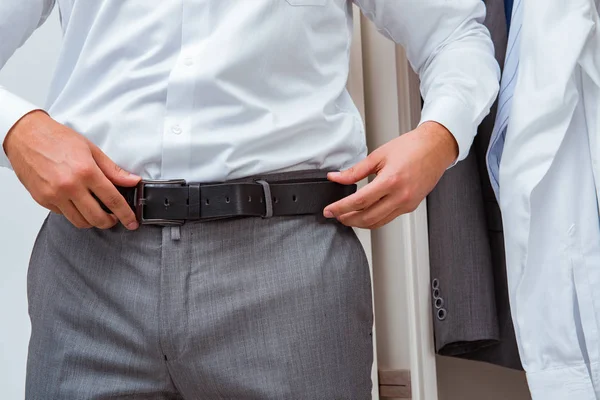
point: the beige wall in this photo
(469, 380)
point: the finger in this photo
(358, 172)
(92, 212)
(387, 220)
(406, 209)
(55, 210)
(111, 198)
(112, 171)
(71, 213)
(370, 216)
(348, 217)
(361, 200)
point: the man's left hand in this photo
(407, 169)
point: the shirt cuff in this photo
(455, 116)
(12, 110)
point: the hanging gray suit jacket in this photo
(471, 311)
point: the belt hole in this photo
(249, 199)
(294, 198)
(207, 202)
(166, 202)
(227, 200)
(275, 200)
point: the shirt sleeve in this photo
(452, 52)
(18, 20)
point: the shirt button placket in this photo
(176, 129)
(177, 140)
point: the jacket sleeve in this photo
(452, 52)
(18, 20)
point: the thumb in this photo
(356, 173)
(112, 171)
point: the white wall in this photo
(28, 74)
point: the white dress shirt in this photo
(549, 181)
(209, 90)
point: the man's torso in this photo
(209, 90)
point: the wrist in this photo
(26, 123)
(444, 142)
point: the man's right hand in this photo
(61, 169)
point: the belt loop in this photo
(194, 201)
(175, 233)
(268, 198)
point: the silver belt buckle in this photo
(140, 201)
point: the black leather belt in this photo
(174, 202)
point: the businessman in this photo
(193, 139)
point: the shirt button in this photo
(176, 129)
(188, 61)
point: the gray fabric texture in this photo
(247, 308)
(467, 248)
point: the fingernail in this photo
(133, 226)
(334, 174)
(328, 214)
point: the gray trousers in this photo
(250, 308)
